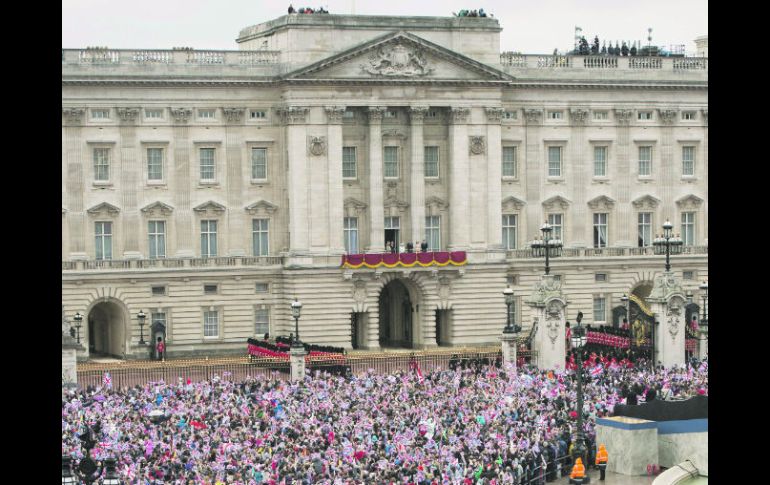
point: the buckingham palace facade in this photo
(209, 189)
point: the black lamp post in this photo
(78, 323)
(141, 316)
(625, 301)
(510, 326)
(89, 471)
(296, 308)
(578, 341)
(667, 244)
(704, 318)
(551, 248)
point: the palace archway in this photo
(399, 315)
(107, 330)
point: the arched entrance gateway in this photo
(107, 330)
(399, 315)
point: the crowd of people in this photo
(470, 13)
(307, 10)
(470, 424)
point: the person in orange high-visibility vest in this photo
(578, 474)
(601, 461)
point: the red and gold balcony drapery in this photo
(407, 260)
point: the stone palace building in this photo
(208, 189)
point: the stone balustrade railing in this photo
(170, 263)
(527, 61)
(175, 57)
(604, 252)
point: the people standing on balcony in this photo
(409, 247)
(401, 248)
(424, 246)
(387, 246)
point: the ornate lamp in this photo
(704, 318)
(550, 248)
(511, 326)
(78, 323)
(667, 243)
(296, 309)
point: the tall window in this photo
(688, 228)
(391, 162)
(509, 231)
(509, 161)
(600, 230)
(433, 232)
(351, 235)
(554, 161)
(157, 234)
(688, 160)
(211, 324)
(600, 309)
(260, 235)
(556, 221)
(158, 317)
(349, 162)
(154, 164)
(645, 160)
(600, 161)
(261, 321)
(431, 161)
(207, 164)
(102, 164)
(259, 163)
(645, 229)
(103, 231)
(208, 239)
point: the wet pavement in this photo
(612, 479)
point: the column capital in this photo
(376, 113)
(417, 113)
(706, 115)
(460, 114)
(494, 114)
(73, 116)
(292, 115)
(234, 115)
(127, 115)
(533, 116)
(334, 114)
(181, 115)
(578, 116)
(624, 116)
(667, 116)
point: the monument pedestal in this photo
(632, 444)
(549, 306)
(667, 301)
(297, 359)
(508, 341)
(703, 343)
(69, 361)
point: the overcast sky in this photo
(529, 26)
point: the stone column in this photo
(297, 358)
(130, 182)
(376, 210)
(494, 180)
(667, 301)
(184, 178)
(705, 185)
(575, 172)
(417, 182)
(459, 181)
(625, 224)
(703, 343)
(508, 341)
(669, 168)
(295, 118)
(75, 181)
(236, 219)
(334, 155)
(549, 310)
(534, 172)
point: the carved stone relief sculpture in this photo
(477, 145)
(316, 145)
(397, 60)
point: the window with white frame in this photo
(554, 161)
(349, 162)
(100, 114)
(208, 164)
(600, 277)
(157, 239)
(391, 114)
(689, 115)
(261, 321)
(390, 166)
(206, 114)
(688, 275)
(259, 163)
(431, 114)
(103, 233)
(262, 287)
(153, 114)
(644, 229)
(600, 161)
(556, 221)
(433, 232)
(348, 114)
(601, 115)
(555, 115)
(260, 236)
(155, 164)
(211, 323)
(210, 289)
(511, 115)
(600, 229)
(431, 161)
(688, 228)
(600, 309)
(101, 164)
(509, 231)
(257, 114)
(645, 160)
(351, 235)
(688, 160)
(509, 162)
(644, 115)
(160, 317)
(208, 238)
(159, 290)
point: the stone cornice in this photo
(73, 116)
(494, 114)
(334, 114)
(210, 207)
(233, 115)
(181, 115)
(127, 115)
(262, 206)
(157, 207)
(417, 113)
(104, 207)
(601, 202)
(646, 202)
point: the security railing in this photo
(171, 263)
(106, 56)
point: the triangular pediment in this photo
(602, 202)
(512, 203)
(395, 202)
(157, 208)
(104, 207)
(646, 202)
(354, 203)
(437, 201)
(556, 202)
(262, 206)
(401, 57)
(210, 206)
(689, 201)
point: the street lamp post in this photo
(78, 323)
(704, 318)
(88, 471)
(141, 316)
(296, 308)
(510, 326)
(551, 248)
(578, 341)
(626, 301)
(668, 244)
